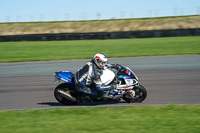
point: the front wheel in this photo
(140, 94)
(66, 88)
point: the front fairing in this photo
(125, 71)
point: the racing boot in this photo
(112, 88)
(84, 94)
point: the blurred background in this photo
(64, 16)
(76, 10)
(42, 18)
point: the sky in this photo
(75, 10)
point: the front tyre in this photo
(66, 88)
(140, 94)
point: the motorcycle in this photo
(126, 82)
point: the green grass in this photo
(79, 49)
(141, 119)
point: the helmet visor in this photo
(102, 63)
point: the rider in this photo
(89, 75)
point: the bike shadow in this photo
(51, 103)
(82, 104)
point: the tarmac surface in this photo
(168, 80)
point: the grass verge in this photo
(155, 119)
(63, 50)
(113, 25)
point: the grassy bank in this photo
(63, 50)
(181, 22)
(151, 119)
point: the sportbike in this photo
(127, 87)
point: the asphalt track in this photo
(168, 80)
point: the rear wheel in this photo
(140, 94)
(67, 88)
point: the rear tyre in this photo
(67, 88)
(140, 95)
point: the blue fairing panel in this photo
(66, 76)
(125, 77)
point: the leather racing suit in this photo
(89, 77)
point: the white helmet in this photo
(100, 60)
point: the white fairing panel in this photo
(107, 76)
